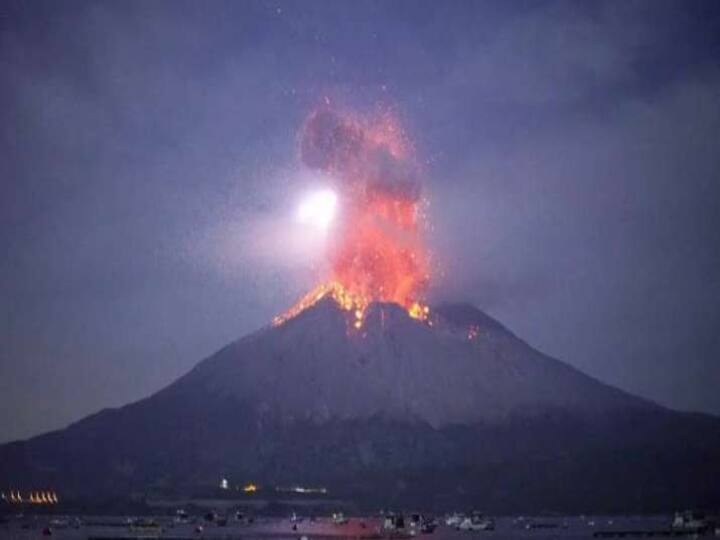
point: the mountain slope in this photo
(312, 367)
(459, 412)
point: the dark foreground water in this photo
(507, 528)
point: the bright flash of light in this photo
(318, 209)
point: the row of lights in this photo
(248, 488)
(252, 488)
(35, 497)
(300, 489)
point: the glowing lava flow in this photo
(344, 298)
(376, 251)
(348, 301)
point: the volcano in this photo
(450, 412)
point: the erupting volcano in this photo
(349, 391)
(376, 252)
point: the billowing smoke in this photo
(370, 156)
(376, 252)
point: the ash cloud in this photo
(345, 148)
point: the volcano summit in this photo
(448, 412)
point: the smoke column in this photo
(376, 252)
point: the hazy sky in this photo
(149, 171)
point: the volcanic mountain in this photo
(450, 412)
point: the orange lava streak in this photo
(344, 298)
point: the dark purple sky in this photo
(148, 149)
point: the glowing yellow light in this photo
(418, 311)
(250, 488)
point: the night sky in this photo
(149, 173)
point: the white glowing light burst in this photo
(318, 209)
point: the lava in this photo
(376, 252)
(348, 301)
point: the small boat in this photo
(477, 522)
(394, 527)
(454, 520)
(690, 521)
(181, 516)
(211, 516)
(428, 526)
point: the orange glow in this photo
(376, 251)
(344, 298)
(34, 497)
(250, 488)
(418, 311)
